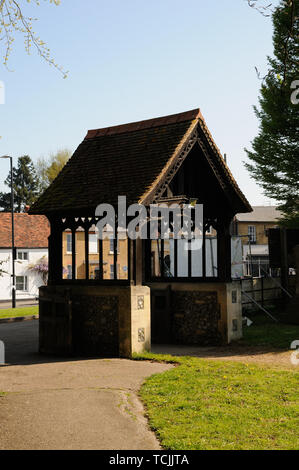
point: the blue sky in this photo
(136, 59)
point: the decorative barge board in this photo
(104, 296)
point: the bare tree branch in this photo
(12, 21)
(268, 11)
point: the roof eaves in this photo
(217, 152)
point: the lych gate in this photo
(106, 296)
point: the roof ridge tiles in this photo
(145, 124)
(133, 162)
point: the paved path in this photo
(81, 404)
(19, 303)
(247, 354)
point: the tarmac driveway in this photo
(62, 404)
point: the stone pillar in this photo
(234, 311)
(135, 322)
(103, 320)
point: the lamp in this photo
(13, 292)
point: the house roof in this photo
(131, 160)
(31, 231)
(261, 214)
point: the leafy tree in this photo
(41, 268)
(48, 168)
(274, 158)
(13, 21)
(25, 186)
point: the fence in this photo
(258, 266)
(264, 290)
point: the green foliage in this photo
(214, 405)
(49, 168)
(264, 332)
(25, 186)
(274, 158)
(18, 312)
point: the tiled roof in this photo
(31, 231)
(126, 160)
(261, 214)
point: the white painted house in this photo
(31, 242)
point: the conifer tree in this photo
(274, 158)
(25, 186)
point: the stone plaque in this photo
(141, 335)
(140, 302)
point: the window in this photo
(112, 246)
(93, 244)
(23, 255)
(69, 271)
(22, 283)
(69, 243)
(252, 233)
(111, 271)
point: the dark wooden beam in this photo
(138, 262)
(175, 274)
(73, 253)
(204, 251)
(55, 252)
(86, 231)
(115, 256)
(189, 258)
(162, 270)
(101, 268)
(224, 250)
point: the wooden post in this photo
(284, 261)
(162, 267)
(175, 257)
(203, 251)
(86, 231)
(130, 260)
(115, 256)
(55, 252)
(138, 262)
(224, 250)
(101, 268)
(189, 258)
(147, 248)
(73, 253)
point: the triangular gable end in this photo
(136, 160)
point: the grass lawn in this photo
(204, 404)
(18, 312)
(265, 332)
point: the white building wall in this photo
(237, 259)
(21, 269)
(211, 257)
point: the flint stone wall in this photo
(195, 317)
